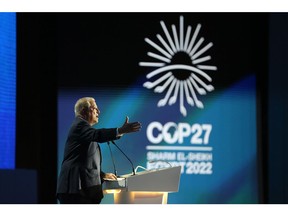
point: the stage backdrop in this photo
(190, 79)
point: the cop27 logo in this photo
(179, 63)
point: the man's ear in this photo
(84, 112)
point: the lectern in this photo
(146, 187)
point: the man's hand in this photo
(128, 127)
(110, 176)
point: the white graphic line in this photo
(176, 40)
(203, 59)
(197, 45)
(152, 84)
(163, 101)
(178, 66)
(168, 36)
(153, 55)
(193, 38)
(188, 98)
(181, 32)
(183, 148)
(165, 44)
(151, 64)
(202, 51)
(187, 38)
(158, 48)
(207, 67)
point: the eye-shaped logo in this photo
(179, 66)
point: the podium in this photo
(146, 187)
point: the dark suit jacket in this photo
(81, 166)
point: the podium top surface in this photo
(160, 180)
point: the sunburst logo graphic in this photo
(180, 66)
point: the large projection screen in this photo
(8, 89)
(189, 78)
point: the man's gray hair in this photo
(82, 105)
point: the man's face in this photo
(94, 113)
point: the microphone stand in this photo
(133, 170)
(115, 171)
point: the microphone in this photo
(115, 171)
(133, 170)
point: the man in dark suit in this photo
(80, 179)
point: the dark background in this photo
(50, 56)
